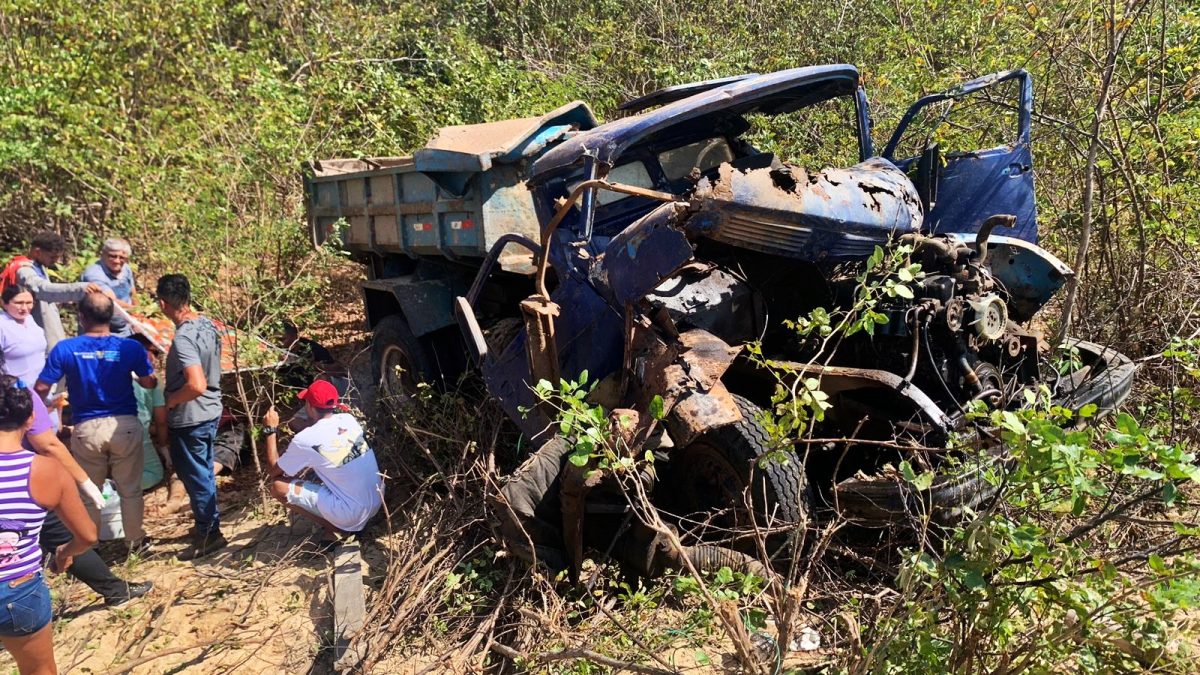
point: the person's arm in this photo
(195, 383)
(72, 513)
(52, 488)
(194, 386)
(271, 421)
(138, 361)
(47, 444)
(158, 425)
(42, 438)
(51, 372)
(50, 291)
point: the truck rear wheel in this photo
(400, 361)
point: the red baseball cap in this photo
(321, 395)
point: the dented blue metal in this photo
(772, 93)
(643, 254)
(977, 183)
(676, 92)
(609, 254)
(833, 213)
(1031, 275)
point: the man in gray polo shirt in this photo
(193, 395)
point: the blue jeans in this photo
(25, 609)
(192, 455)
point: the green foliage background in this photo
(182, 125)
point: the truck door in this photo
(967, 149)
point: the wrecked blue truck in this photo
(670, 241)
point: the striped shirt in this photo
(20, 518)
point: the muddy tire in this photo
(885, 500)
(501, 334)
(1104, 381)
(399, 360)
(710, 477)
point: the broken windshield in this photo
(823, 134)
(703, 155)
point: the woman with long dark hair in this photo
(31, 485)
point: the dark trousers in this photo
(192, 455)
(88, 567)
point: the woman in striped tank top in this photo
(30, 485)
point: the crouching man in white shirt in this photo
(328, 473)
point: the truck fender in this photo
(699, 401)
(426, 304)
(698, 412)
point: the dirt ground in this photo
(261, 605)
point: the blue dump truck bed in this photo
(454, 198)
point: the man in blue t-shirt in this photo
(107, 438)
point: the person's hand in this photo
(61, 560)
(94, 287)
(271, 419)
(92, 493)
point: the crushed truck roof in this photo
(772, 93)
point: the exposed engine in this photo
(954, 338)
(801, 240)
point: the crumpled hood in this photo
(791, 212)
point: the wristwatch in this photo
(267, 431)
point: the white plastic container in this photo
(110, 515)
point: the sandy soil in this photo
(260, 606)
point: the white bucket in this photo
(110, 515)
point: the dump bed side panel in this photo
(403, 211)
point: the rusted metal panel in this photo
(542, 346)
(508, 209)
(476, 147)
(697, 412)
(356, 168)
(791, 212)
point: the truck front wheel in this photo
(713, 476)
(400, 361)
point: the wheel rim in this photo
(712, 485)
(396, 375)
